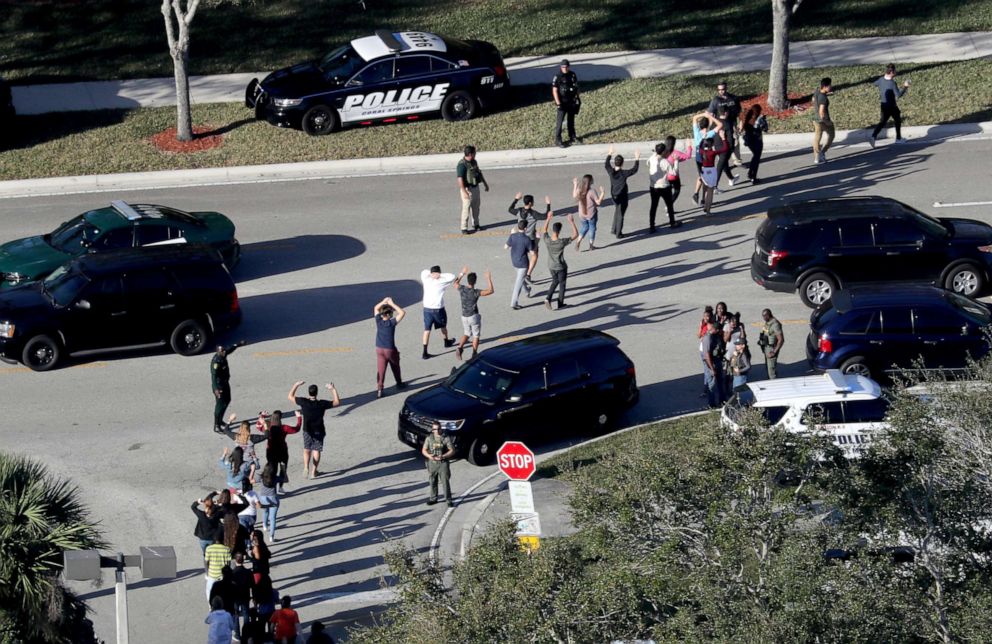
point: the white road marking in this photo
(941, 204)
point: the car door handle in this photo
(874, 342)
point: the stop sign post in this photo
(516, 461)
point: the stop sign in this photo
(516, 461)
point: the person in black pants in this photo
(888, 92)
(618, 187)
(565, 92)
(726, 108)
(755, 125)
(556, 257)
(220, 383)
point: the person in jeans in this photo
(889, 91)
(618, 187)
(712, 349)
(755, 125)
(469, 177)
(739, 363)
(822, 124)
(387, 314)
(588, 200)
(522, 259)
(471, 318)
(265, 487)
(556, 258)
(529, 215)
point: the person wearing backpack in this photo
(755, 125)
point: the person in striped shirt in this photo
(215, 558)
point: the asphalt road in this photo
(133, 431)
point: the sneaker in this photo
(449, 342)
(401, 385)
(899, 141)
(562, 306)
(431, 501)
(547, 304)
(755, 181)
(734, 179)
(378, 393)
(477, 228)
(559, 144)
(465, 232)
(816, 159)
(517, 307)
(717, 191)
(676, 224)
(695, 198)
(823, 157)
(871, 142)
(425, 355)
(272, 539)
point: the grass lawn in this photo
(46, 40)
(632, 110)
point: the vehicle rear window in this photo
(971, 309)
(896, 321)
(824, 314)
(856, 233)
(895, 232)
(860, 322)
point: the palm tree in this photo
(40, 517)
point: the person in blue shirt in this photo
(888, 91)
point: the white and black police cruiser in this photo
(383, 78)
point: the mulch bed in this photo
(203, 139)
(798, 103)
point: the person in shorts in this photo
(471, 318)
(435, 317)
(312, 411)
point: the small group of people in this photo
(726, 355)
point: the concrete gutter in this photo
(423, 164)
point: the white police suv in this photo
(383, 78)
(852, 409)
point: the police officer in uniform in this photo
(565, 91)
(220, 383)
(438, 450)
(771, 340)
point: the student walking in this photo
(277, 450)
(663, 167)
(312, 411)
(710, 172)
(238, 470)
(726, 108)
(889, 91)
(471, 318)
(220, 624)
(260, 557)
(522, 259)
(207, 521)
(469, 177)
(618, 187)
(702, 129)
(387, 314)
(565, 92)
(822, 123)
(215, 558)
(588, 200)
(556, 258)
(529, 215)
(755, 125)
(268, 499)
(438, 450)
(285, 622)
(435, 317)
(675, 157)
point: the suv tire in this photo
(41, 353)
(459, 106)
(855, 365)
(319, 120)
(965, 279)
(817, 289)
(482, 451)
(189, 338)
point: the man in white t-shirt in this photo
(248, 516)
(435, 317)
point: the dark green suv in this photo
(119, 226)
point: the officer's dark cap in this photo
(564, 62)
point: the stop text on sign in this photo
(516, 461)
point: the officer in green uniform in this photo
(220, 383)
(438, 450)
(771, 340)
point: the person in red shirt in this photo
(276, 450)
(285, 621)
(709, 154)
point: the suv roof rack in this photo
(389, 40)
(125, 210)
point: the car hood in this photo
(17, 300)
(292, 82)
(219, 226)
(969, 229)
(445, 404)
(31, 256)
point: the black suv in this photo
(128, 299)
(818, 246)
(529, 389)
(870, 329)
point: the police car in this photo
(383, 78)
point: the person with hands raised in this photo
(387, 315)
(556, 257)
(471, 318)
(312, 410)
(618, 186)
(588, 200)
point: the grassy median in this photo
(99, 39)
(632, 110)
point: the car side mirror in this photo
(82, 304)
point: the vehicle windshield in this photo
(481, 380)
(928, 223)
(63, 286)
(973, 310)
(340, 64)
(69, 237)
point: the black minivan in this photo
(532, 389)
(151, 296)
(821, 245)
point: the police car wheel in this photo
(320, 120)
(482, 451)
(459, 106)
(189, 338)
(41, 353)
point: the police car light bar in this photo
(838, 380)
(389, 40)
(125, 209)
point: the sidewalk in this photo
(532, 70)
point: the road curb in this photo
(421, 164)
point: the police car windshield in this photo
(340, 64)
(481, 380)
(68, 237)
